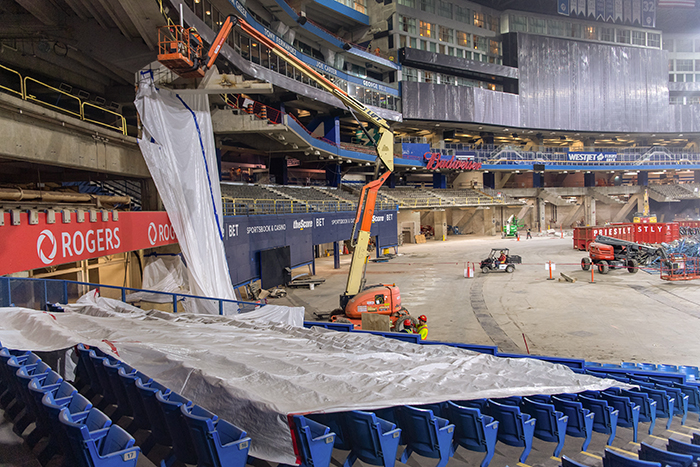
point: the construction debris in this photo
(568, 278)
(310, 283)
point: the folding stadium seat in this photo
(629, 365)
(107, 392)
(667, 458)
(513, 400)
(109, 446)
(514, 428)
(218, 443)
(37, 387)
(337, 424)
(425, 434)
(612, 459)
(604, 416)
(647, 366)
(481, 404)
(473, 430)
(372, 440)
(684, 448)
(664, 402)
(693, 393)
(138, 410)
(542, 398)
(147, 394)
(692, 372)
(647, 406)
(66, 397)
(681, 400)
(23, 415)
(667, 368)
(183, 445)
(315, 442)
(628, 411)
(550, 425)
(580, 422)
(566, 462)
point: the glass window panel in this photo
(441, 49)
(684, 45)
(428, 6)
(463, 39)
(463, 15)
(402, 41)
(536, 26)
(423, 45)
(607, 34)
(556, 28)
(495, 48)
(479, 19)
(590, 32)
(459, 53)
(446, 34)
(427, 29)
(433, 46)
(653, 40)
(688, 78)
(481, 43)
(451, 51)
(576, 30)
(517, 23)
(639, 38)
(668, 45)
(445, 9)
(623, 36)
(494, 23)
(414, 43)
(428, 76)
(408, 3)
(670, 65)
(407, 24)
(684, 65)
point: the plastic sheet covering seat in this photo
(314, 440)
(473, 430)
(550, 424)
(426, 434)
(647, 406)
(515, 428)
(628, 411)
(604, 416)
(664, 402)
(612, 459)
(372, 439)
(218, 443)
(566, 462)
(684, 448)
(183, 445)
(667, 458)
(580, 422)
(109, 446)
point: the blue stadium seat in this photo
(684, 448)
(629, 365)
(109, 397)
(628, 411)
(667, 368)
(372, 439)
(550, 425)
(664, 402)
(425, 434)
(138, 410)
(647, 406)
(647, 366)
(680, 406)
(692, 372)
(86, 366)
(218, 443)
(177, 428)
(667, 458)
(542, 398)
(315, 441)
(336, 423)
(514, 428)
(566, 462)
(512, 400)
(604, 416)
(147, 393)
(473, 430)
(111, 369)
(693, 393)
(580, 422)
(612, 459)
(109, 446)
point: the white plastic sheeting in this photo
(178, 146)
(162, 274)
(254, 374)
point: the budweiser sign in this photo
(435, 161)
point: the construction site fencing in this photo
(30, 89)
(37, 293)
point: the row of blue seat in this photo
(194, 434)
(677, 454)
(691, 372)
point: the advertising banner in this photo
(246, 236)
(30, 246)
(591, 156)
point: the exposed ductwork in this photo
(18, 194)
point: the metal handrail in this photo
(21, 82)
(120, 118)
(6, 295)
(29, 97)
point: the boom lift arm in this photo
(384, 145)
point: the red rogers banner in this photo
(25, 246)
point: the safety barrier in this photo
(253, 206)
(33, 90)
(36, 293)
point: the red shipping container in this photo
(583, 236)
(656, 233)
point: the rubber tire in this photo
(485, 270)
(510, 268)
(603, 267)
(632, 266)
(586, 264)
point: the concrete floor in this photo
(618, 317)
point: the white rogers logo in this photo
(46, 234)
(152, 237)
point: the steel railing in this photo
(32, 90)
(36, 293)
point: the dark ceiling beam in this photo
(78, 9)
(146, 17)
(43, 10)
(96, 13)
(119, 17)
(13, 26)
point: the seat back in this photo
(510, 423)
(147, 393)
(566, 462)
(86, 363)
(97, 362)
(315, 442)
(418, 428)
(622, 404)
(201, 424)
(602, 421)
(613, 459)
(470, 426)
(683, 448)
(111, 369)
(365, 436)
(671, 459)
(177, 428)
(545, 415)
(128, 382)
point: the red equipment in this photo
(680, 268)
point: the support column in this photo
(333, 175)
(541, 212)
(336, 255)
(589, 179)
(439, 180)
(696, 176)
(490, 179)
(643, 178)
(537, 179)
(331, 129)
(489, 221)
(440, 225)
(278, 168)
(589, 214)
(391, 181)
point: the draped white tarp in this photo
(255, 373)
(178, 147)
(163, 274)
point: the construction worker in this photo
(422, 327)
(195, 41)
(408, 327)
(502, 258)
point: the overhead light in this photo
(321, 157)
(208, 12)
(367, 163)
(318, 153)
(295, 145)
(413, 168)
(566, 172)
(280, 137)
(348, 161)
(306, 153)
